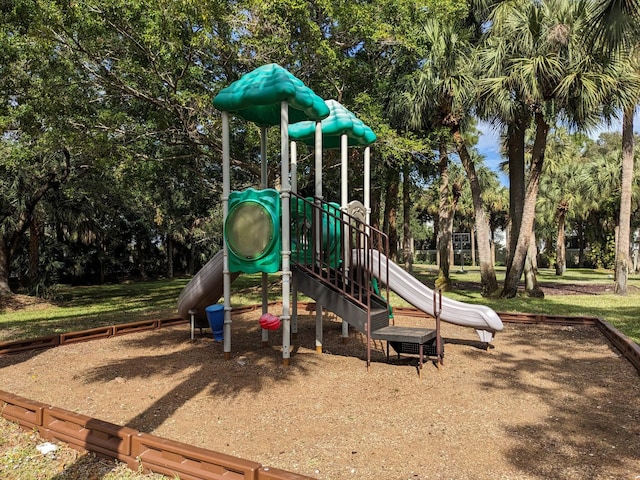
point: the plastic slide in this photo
(485, 320)
(204, 289)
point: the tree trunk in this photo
(515, 144)
(169, 242)
(391, 211)
(5, 258)
(624, 223)
(561, 250)
(191, 260)
(473, 247)
(493, 246)
(406, 215)
(36, 228)
(101, 261)
(445, 223)
(140, 260)
(581, 244)
(616, 233)
(516, 267)
(488, 281)
(531, 286)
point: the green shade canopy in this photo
(339, 122)
(256, 97)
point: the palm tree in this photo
(563, 189)
(439, 94)
(615, 25)
(536, 65)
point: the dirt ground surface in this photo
(547, 402)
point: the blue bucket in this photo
(215, 315)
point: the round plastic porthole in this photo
(250, 230)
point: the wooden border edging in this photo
(86, 335)
(169, 322)
(26, 413)
(628, 348)
(154, 454)
(546, 319)
(188, 462)
(134, 327)
(32, 344)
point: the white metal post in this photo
(285, 195)
(226, 275)
(294, 188)
(318, 221)
(344, 200)
(264, 183)
(367, 186)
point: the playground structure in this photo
(328, 251)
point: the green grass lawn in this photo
(88, 307)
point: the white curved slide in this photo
(204, 289)
(484, 319)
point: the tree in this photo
(36, 156)
(563, 188)
(616, 27)
(438, 96)
(537, 62)
(601, 212)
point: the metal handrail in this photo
(321, 234)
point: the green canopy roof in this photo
(256, 97)
(340, 121)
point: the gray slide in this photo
(484, 319)
(204, 289)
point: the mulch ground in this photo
(546, 402)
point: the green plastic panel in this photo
(256, 97)
(302, 238)
(252, 231)
(339, 122)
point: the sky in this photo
(489, 142)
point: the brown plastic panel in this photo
(88, 433)
(248, 308)
(268, 473)
(27, 413)
(411, 312)
(134, 327)
(189, 462)
(629, 349)
(560, 320)
(168, 322)
(33, 344)
(545, 319)
(251, 308)
(86, 335)
(519, 317)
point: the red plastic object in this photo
(269, 321)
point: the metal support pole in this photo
(192, 319)
(285, 195)
(294, 188)
(318, 221)
(226, 275)
(264, 183)
(367, 187)
(344, 200)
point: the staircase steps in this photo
(346, 308)
(411, 340)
